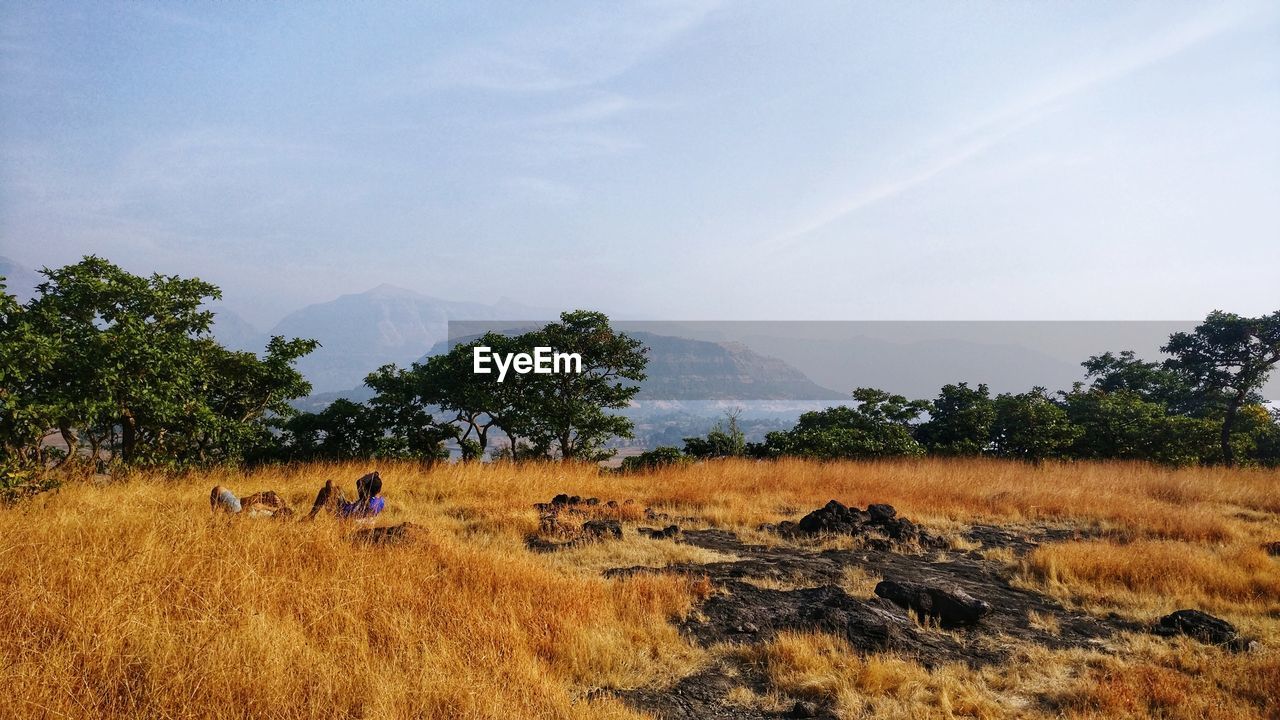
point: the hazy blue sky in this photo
(811, 160)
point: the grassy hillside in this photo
(131, 600)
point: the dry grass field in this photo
(129, 599)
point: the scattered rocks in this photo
(836, 518)
(949, 605)
(389, 535)
(1203, 627)
(665, 533)
(602, 529)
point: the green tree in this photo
(24, 356)
(1031, 427)
(130, 367)
(724, 440)
(567, 413)
(1150, 381)
(879, 426)
(343, 430)
(478, 402)
(1228, 358)
(1123, 425)
(960, 421)
(411, 430)
(654, 459)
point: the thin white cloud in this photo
(599, 44)
(971, 140)
(600, 108)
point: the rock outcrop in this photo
(947, 604)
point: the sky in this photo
(669, 160)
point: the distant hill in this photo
(360, 332)
(680, 370)
(19, 280)
(683, 369)
(236, 333)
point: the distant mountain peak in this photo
(387, 290)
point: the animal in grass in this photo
(368, 503)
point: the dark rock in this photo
(612, 504)
(602, 529)
(803, 709)
(389, 535)
(1272, 548)
(834, 517)
(881, 512)
(1203, 627)
(591, 502)
(949, 605)
(575, 500)
(666, 533)
(561, 499)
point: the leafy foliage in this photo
(126, 366)
(724, 440)
(960, 421)
(654, 459)
(880, 426)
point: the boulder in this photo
(389, 534)
(880, 512)
(1203, 627)
(834, 517)
(803, 709)
(602, 529)
(949, 605)
(666, 533)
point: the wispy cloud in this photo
(599, 108)
(958, 147)
(541, 190)
(600, 44)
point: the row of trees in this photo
(124, 370)
(1200, 405)
(560, 415)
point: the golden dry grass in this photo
(130, 600)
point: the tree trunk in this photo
(128, 436)
(1228, 423)
(71, 439)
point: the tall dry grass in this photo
(131, 600)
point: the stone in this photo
(389, 535)
(881, 512)
(803, 709)
(666, 533)
(949, 605)
(1203, 627)
(602, 529)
